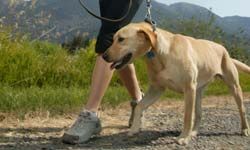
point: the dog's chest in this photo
(165, 79)
(164, 74)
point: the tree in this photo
(236, 44)
(77, 42)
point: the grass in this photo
(54, 100)
(63, 100)
(41, 76)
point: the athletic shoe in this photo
(86, 125)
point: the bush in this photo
(77, 43)
(26, 64)
(41, 76)
(40, 63)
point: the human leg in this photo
(129, 79)
(100, 80)
(101, 77)
(88, 123)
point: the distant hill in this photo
(59, 20)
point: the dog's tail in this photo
(241, 66)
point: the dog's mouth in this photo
(123, 61)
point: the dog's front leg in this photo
(150, 97)
(189, 95)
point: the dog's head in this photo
(130, 42)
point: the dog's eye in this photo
(120, 39)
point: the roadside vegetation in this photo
(42, 76)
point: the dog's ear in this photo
(149, 35)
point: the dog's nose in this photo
(105, 57)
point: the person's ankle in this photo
(139, 97)
(93, 111)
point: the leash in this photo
(150, 54)
(148, 18)
(104, 18)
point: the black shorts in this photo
(113, 9)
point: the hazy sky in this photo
(220, 7)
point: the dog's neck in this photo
(162, 49)
(154, 63)
(163, 42)
(162, 45)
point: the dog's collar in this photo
(152, 23)
(150, 54)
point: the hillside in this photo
(64, 18)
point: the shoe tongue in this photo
(89, 114)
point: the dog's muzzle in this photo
(120, 63)
(106, 57)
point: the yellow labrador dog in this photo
(181, 63)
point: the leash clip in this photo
(148, 17)
(150, 54)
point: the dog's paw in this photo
(194, 134)
(246, 132)
(132, 133)
(183, 140)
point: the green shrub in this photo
(26, 64)
(41, 76)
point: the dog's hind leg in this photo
(231, 78)
(150, 97)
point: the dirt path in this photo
(220, 129)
